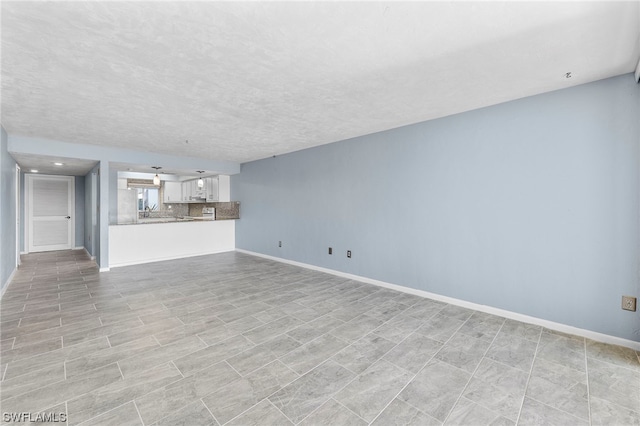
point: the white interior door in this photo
(51, 212)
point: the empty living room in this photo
(320, 213)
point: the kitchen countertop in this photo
(143, 221)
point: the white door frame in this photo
(27, 207)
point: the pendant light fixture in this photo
(200, 181)
(156, 178)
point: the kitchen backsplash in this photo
(224, 210)
(176, 210)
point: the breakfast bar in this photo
(152, 242)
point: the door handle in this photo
(68, 217)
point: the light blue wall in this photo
(8, 218)
(531, 206)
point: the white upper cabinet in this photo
(211, 188)
(172, 192)
(188, 191)
(191, 193)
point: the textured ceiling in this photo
(47, 165)
(246, 80)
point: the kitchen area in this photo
(171, 217)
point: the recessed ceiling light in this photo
(58, 164)
(34, 171)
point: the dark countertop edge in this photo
(171, 221)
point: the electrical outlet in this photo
(349, 254)
(330, 250)
(279, 243)
(629, 303)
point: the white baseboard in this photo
(162, 259)
(88, 254)
(6, 284)
(593, 335)
(103, 270)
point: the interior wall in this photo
(97, 229)
(90, 211)
(22, 212)
(531, 206)
(8, 223)
(104, 194)
(79, 211)
(113, 197)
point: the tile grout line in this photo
(176, 367)
(586, 370)
(249, 409)
(297, 378)
(279, 410)
(205, 343)
(231, 366)
(137, 410)
(86, 422)
(554, 408)
(421, 368)
(119, 369)
(533, 362)
(157, 341)
(347, 408)
(472, 373)
(207, 408)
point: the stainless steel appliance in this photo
(209, 212)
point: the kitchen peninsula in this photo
(152, 230)
(153, 242)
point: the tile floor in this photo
(239, 340)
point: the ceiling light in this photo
(156, 178)
(34, 171)
(200, 181)
(58, 164)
